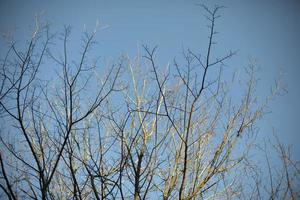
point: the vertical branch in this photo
(9, 191)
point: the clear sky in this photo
(267, 30)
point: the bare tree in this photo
(137, 131)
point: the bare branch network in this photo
(134, 130)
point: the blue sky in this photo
(266, 30)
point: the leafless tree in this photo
(133, 130)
